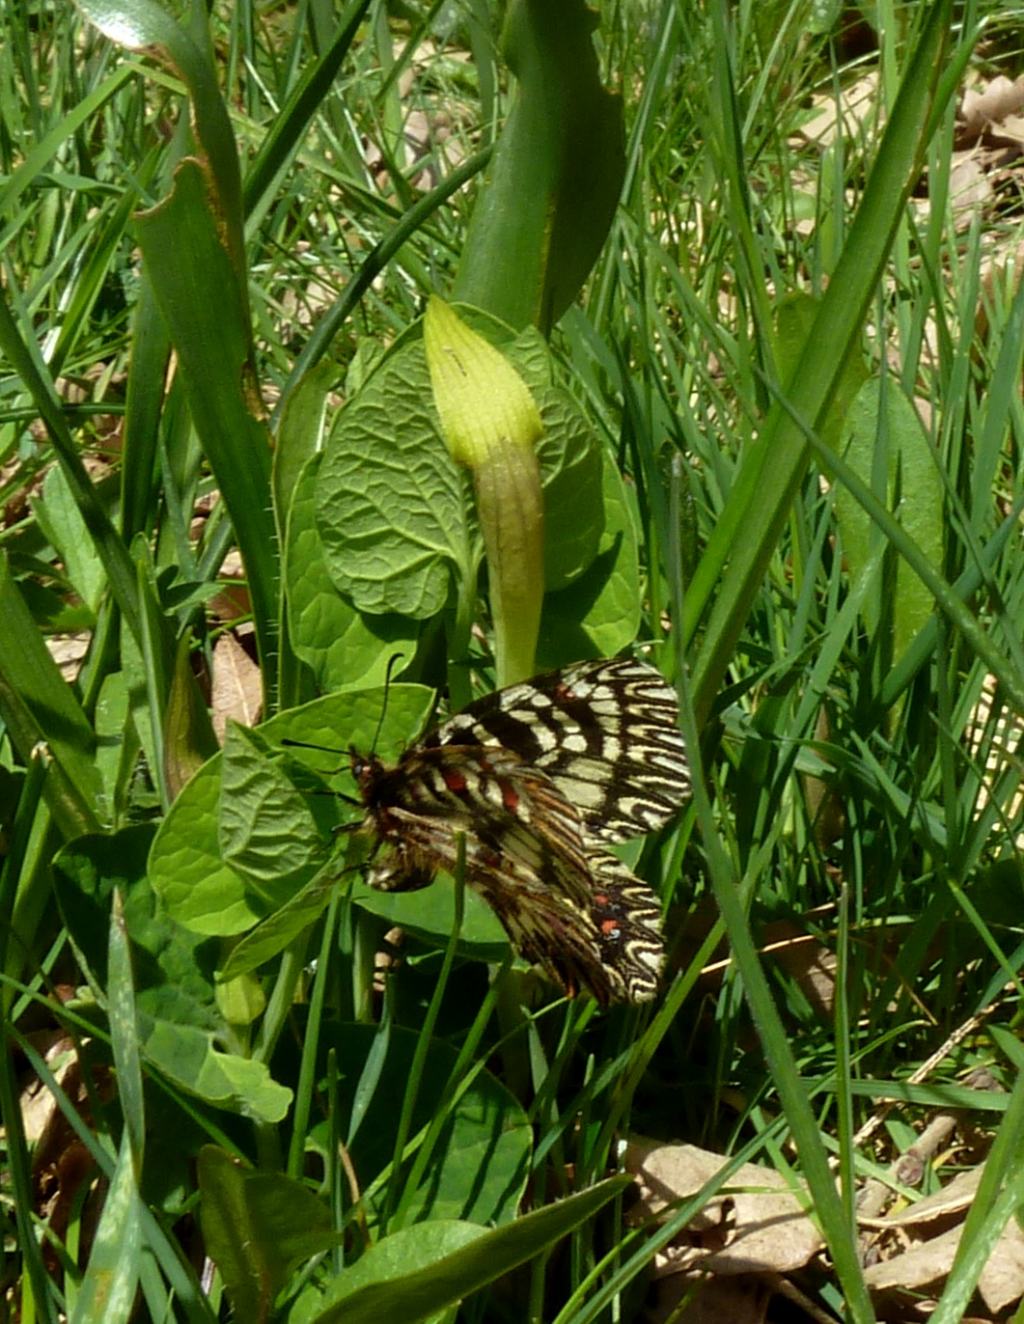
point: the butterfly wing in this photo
(605, 732)
(575, 910)
(487, 795)
(527, 783)
(543, 923)
(626, 915)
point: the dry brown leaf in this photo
(807, 960)
(1010, 130)
(954, 1198)
(233, 601)
(756, 1226)
(970, 186)
(237, 692)
(991, 105)
(856, 104)
(928, 1263)
(68, 651)
(38, 1105)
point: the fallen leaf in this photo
(990, 105)
(956, 1196)
(757, 1225)
(856, 104)
(970, 186)
(927, 1263)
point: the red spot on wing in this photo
(509, 796)
(454, 780)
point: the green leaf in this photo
(430, 913)
(24, 357)
(188, 735)
(28, 171)
(182, 241)
(571, 463)
(108, 1289)
(187, 1057)
(479, 1162)
(545, 210)
(143, 25)
(256, 1227)
(117, 744)
(569, 452)
(882, 414)
(287, 129)
(172, 967)
(343, 647)
(600, 613)
(124, 1031)
(395, 513)
(794, 321)
(204, 893)
(259, 809)
(300, 434)
(277, 931)
(390, 503)
(734, 562)
(66, 531)
(420, 1270)
(389, 1260)
(40, 708)
(197, 888)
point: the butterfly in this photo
(530, 784)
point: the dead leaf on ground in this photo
(927, 1264)
(807, 960)
(232, 602)
(856, 103)
(68, 651)
(954, 1198)
(757, 1225)
(970, 186)
(988, 105)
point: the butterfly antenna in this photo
(392, 660)
(308, 744)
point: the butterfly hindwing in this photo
(626, 914)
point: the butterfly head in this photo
(367, 770)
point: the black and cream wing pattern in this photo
(532, 782)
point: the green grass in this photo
(834, 584)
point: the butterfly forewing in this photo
(523, 786)
(605, 732)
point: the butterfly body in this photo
(525, 786)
